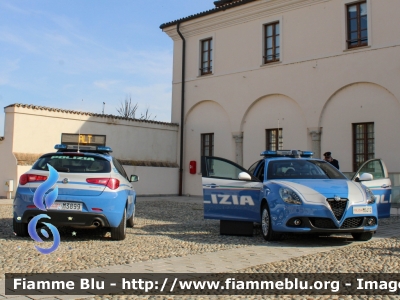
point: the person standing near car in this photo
(331, 160)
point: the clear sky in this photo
(55, 53)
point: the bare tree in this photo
(127, 110)
(147, 115)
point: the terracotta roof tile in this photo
(37, 107)
(222, 5)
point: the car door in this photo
(380, 185)
(229, 191)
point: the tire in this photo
(364, 236)
(21, 229)
(131, 221)
(119, 233)
(266, 228)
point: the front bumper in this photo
(320, 218)
(321, 225)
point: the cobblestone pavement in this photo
(170, 235)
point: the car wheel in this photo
(364, 236)
(131, 221)
(266, 227)
(21, 229)
(119, 233)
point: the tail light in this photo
(25, 178)
(111, 183)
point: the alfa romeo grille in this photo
(352, 223)
(338, 207)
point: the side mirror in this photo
(366, 177)
(244, 176)
(134, 178)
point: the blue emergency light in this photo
(104, 149)
(287, 153)
(60, 146)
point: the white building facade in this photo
(145, 148)
(320, 75)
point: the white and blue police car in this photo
(93, 191)
(289, 191)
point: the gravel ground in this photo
(162, 229)
(166, 229)
(379, 256)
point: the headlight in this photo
(370, 196)
(289, 196)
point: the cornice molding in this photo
(238, 15)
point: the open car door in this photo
(229, 191)
(380, 184)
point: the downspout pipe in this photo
(182, 109)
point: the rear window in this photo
(73, 163)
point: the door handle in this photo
(385, 186)
(212, 185)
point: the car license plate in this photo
(360, 210)
(67, 206)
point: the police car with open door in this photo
(93, 188)
(289, 191)
(374, 175)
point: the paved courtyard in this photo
(171, 236)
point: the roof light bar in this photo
(268, 152)
(83, 148)
(288, 153)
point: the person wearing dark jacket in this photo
(331, 160)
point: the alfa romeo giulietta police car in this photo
(289, 191)
(93, 191)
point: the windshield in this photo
(72, 163)
(302, 169)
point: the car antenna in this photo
(79, 131)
